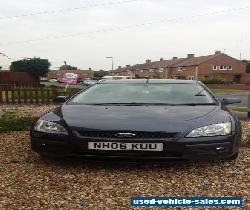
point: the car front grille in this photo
(137, 134)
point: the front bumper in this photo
(204, 148)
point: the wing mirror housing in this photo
(227, 101)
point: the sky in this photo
(84, 32)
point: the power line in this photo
(128, 26)
(47, 12)
(4, 55)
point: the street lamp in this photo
(112, 59)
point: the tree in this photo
(36, 67)
(99, 74)
(247, 62)
(67, 67)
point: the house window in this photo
(215, 68)
(161, 69)
(230, 68)
(141, 70)
(222, 67)
(190, 78)
(151, 70)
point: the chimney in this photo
(190, 55)
(161, 59)
(217, 52)
(127, 66)
(174, 58)
(119, 67)
(90, 69)
(148, 61)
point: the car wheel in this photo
(233, 157)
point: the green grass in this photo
(9, 122)
(226, 91)
(239, 109)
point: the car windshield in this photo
(139, 94)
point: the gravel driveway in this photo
(29, 182)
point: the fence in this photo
(31, 95)
(16, 77)
(19, 85)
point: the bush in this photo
(9, 122)
(217, 81)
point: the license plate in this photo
(125, 146)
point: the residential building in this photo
(218, 65)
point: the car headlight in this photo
(50, 127)
(220, 129)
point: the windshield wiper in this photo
(147, 104)
(131, 104)
(105, 104)
(197, 104)
(199, 93)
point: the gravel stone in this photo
(29, 182)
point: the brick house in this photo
(156, 69)
(218, 65)
(83, 74)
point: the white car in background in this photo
(116, 77)
(53, 80)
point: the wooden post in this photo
(13, 98)
(1, 95)
(19, 95)
(25, 96)
(48, 95)
(31, 96)
(7, 96)
(36, 95)
(248, 105)
(42, 95)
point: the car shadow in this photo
(132, 165)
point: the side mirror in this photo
(227, 101)
(60, 99)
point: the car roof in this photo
(152, 81)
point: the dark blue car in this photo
(145, 119)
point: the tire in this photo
(233, 157)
